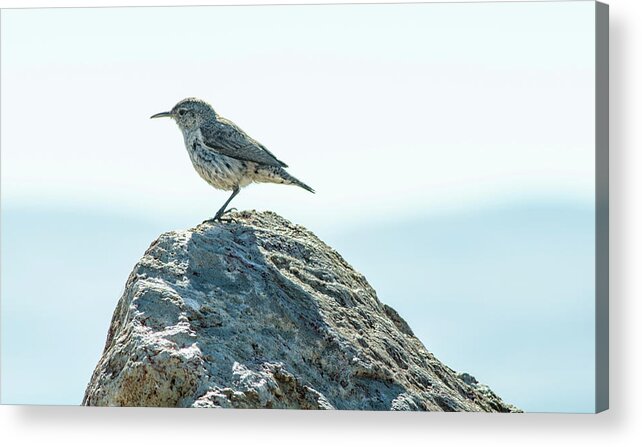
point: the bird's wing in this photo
(228, 139)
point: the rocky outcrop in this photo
(258, 312)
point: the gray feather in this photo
(225, 137)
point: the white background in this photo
(79, 426)
(478, 115)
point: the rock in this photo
(259, 313)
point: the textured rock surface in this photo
(259, 312)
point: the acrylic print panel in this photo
(458, 153)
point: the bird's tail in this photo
(295, 181)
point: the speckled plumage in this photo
(223, 154)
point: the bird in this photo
(223, 154)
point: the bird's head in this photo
(190, 113)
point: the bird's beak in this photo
(162, 115)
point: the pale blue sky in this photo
(406, 105)
(467, 121)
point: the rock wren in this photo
(222, 154)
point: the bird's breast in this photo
(218, 170)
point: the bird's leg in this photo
(222, 211)
(224, 218)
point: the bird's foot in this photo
(220, 216)
(230, 210)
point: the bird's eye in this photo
(181, 112)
